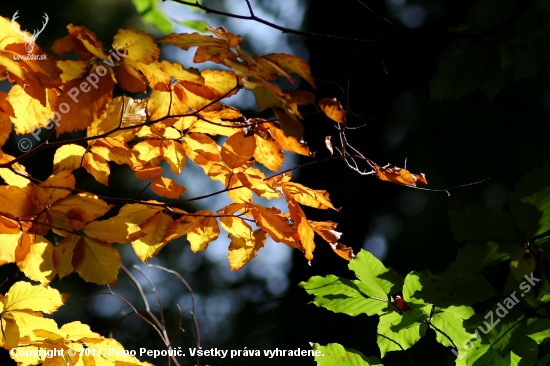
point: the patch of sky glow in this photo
(382, 229)
(495, 195)
(377, 245)
(412, 202)
(410, 15)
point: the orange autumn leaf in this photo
(400, 176)
(237, 150)
(166, 187)
(332, 108)
(307, 196)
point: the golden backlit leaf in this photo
(22, 296)
(96, 261)
(14, 176)
(237, 150)
(174, 154)
(83, 207)
(72, 69)
(242, 250)
(138, 213)
(333, 109)
(152, 242)
(98, 167)
(114, 230)
(288, 143)
(8, 244)
(292, 64)
(205, 231)
(307, 196)
(16, 202)
(268, 152)
(57, 186)
(29, 112)
(148, 172)
(68, 157)
(139, 46)
(38, 263)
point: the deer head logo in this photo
(29, 40)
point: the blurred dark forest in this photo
(452, 141)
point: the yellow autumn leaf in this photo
(166, 187)
(157, 79)
(237, 150)
(179, 228)
(8, 244)
(57, 186)
(138, 213)
(201, 149)
(140, 46)
(268, 152)
(38, 263)
(29, 112)
(243, 250)
(174, 154)
(23, 295)
(333, 109)
(68, 157)
(16, 202)
(288, 143)
(63, 255)
(204, 232)
(96, 261)
(151, 243)
(72, 69)
(81, 208)
(97, 166)
(292, 64)
(9, 175)
(222, 82)
(114, 230)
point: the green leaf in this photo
(151, 14)
(343, 296)
(451, 325)
(448, 288)
(530, 202)
(156, 18)
(406, 330)
(479, 223)
(485, 14)
(379, 280)
(197, 25)
(472, 258)
(462, 74)
(334, 354)
(538, 330)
